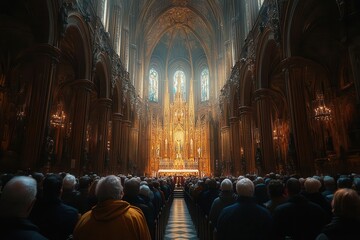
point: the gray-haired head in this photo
(312, 185)
(145, 191)
(18, 197)
(245, 187)
(69, 182)
(226, 185)
(108, 188)
(132, 187)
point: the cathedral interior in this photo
(188, 87)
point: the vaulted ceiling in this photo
(179, 29)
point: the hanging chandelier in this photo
(58, 118)
(321, 111)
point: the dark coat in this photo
(226, 198)
(19, 229)
(320, 200)
(244, 220)
(206, 199)
(342, 229)
(298, 218)
(55, 219)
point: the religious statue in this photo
(158, 150)
(178, 148)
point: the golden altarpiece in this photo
(179, 141)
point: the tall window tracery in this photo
(204, 82)
(103, 4)
(153, 85)
(260, 3)
(179, 83)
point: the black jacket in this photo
(298, 218)
(19, 229)
(55, 219)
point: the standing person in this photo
(245, 219)
(17, 200)
(112, 218)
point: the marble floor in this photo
(180, 225)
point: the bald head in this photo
(18, 197)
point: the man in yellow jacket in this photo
(111, 218)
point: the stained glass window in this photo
(260, 3)
(153, 85)
(179, 83)
(205, 85)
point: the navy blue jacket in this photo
(298, 218)
(244, 219)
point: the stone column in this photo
(264, 106)
(246, 139)
(125, 137)
(82, 89)
(115, 159)
(104, 106)
(294, 78)
(235, 145)
(225, 149)
(43, 58)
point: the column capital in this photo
(262, 93)
(41, 50)
(117, 117)
(233, 120)
(105, 102)
(225, 128)
(245, 109)
(84, 84)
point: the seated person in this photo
(112, 218)
(244, 219)
(55, 219)
(17, 200)
(345, 222)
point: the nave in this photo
(180, 225)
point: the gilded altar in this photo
(179, 142)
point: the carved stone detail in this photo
(271, 19)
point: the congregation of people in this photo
(62, 206)
(275, 207)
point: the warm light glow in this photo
(58, 118)
(277, 132)
(20, 114)
(257, 135)
(322, 112)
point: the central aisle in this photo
(180, 225)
